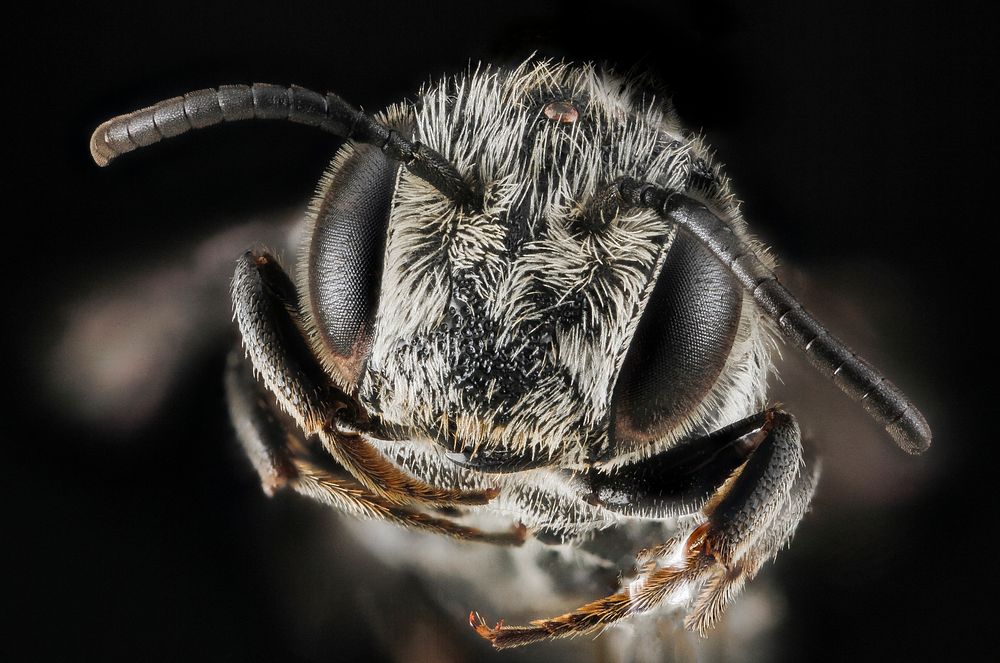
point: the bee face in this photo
(529, 298)
(507, 326)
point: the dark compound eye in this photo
(344, 265)
(561, 111)
(680, 347)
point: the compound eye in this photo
(680, 346)
(561, 111)
(343, 259)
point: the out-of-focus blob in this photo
(127, 345)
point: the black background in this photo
(861, 138)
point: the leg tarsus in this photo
(645, 593)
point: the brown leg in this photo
(283, 459)
(750, 516)
(341, 491)
(376, 473)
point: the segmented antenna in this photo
(204, 108)
(855, 376)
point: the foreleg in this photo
(266, 311)
(282, 458)
(749, 515)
